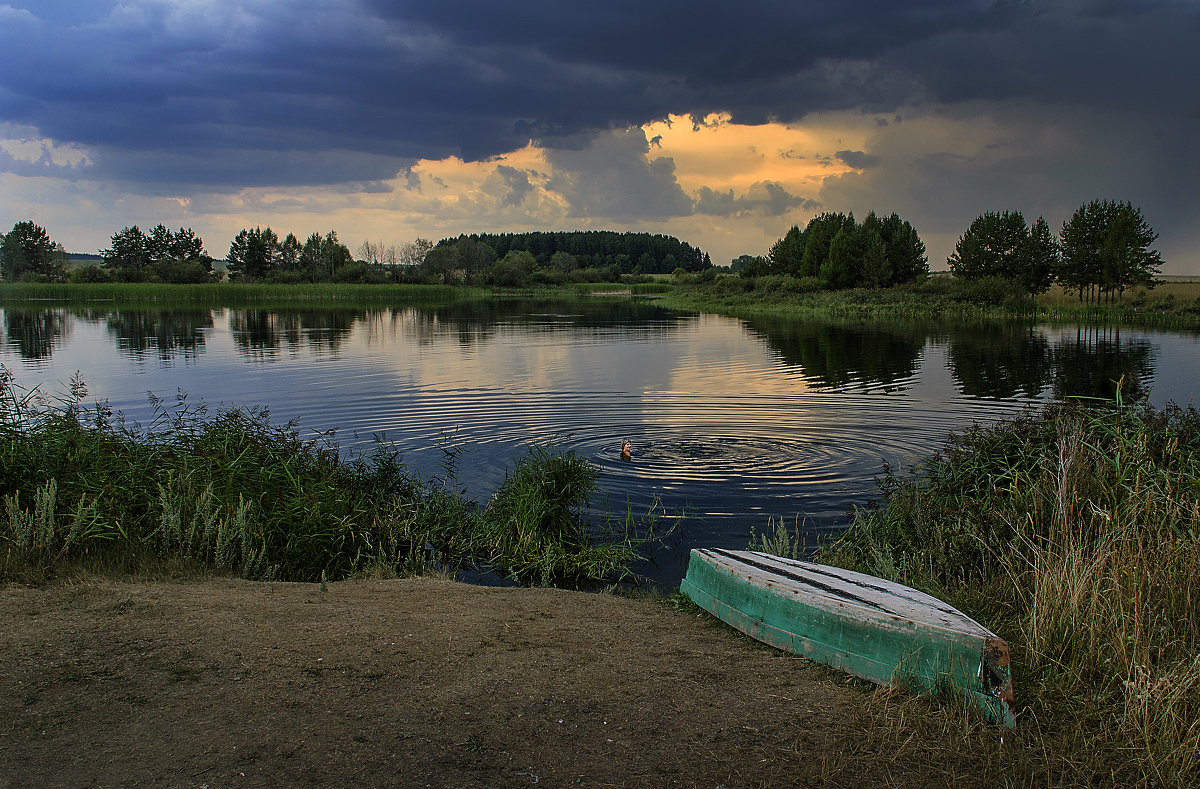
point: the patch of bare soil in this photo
(414, 682)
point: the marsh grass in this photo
(1074, 534)
(237, 494)
(779, 541)
(935, 297)
(1174, 303)
(535, 527)
(276, 295)
(227, 294)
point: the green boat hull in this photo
(883, 632)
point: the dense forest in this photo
(630, 253)
(836, 252)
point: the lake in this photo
(733, 422)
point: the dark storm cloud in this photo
(857, 159)
(222, 93)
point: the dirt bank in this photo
(418, 682)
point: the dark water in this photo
(732, 422)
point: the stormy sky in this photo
(722, 123)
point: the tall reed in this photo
(1075, 534)
(235, 492)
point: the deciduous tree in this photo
(1106, 247)
(27, 252)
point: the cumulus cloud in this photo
(515, 185)
(764, 199)
(614, 178)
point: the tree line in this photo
(1104, 248)
(629, 253)
(179, 256)
(259, 254)
(555, 258)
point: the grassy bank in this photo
(1173, 304)
(1074, 534)
(259, 295)
(234, 492)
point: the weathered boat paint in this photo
(875, 629)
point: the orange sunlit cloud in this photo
(722, 155)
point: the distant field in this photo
(77, 259)
(1179, 288)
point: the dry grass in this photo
(1076, 536)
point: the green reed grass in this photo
(238, 494)
(535, 530)
(233, 294)
(1172, 304)
(1075, 534)
(268, 295)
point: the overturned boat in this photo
(875, 629)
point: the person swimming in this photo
(626, 450)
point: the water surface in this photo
(733, 422)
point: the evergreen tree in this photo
(904, 250)
(1041, 259)
(993, 246)
(289, 253)
(876, 267)
(787, 254)
(843, 268)
(818, 236)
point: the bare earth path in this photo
(415, 682)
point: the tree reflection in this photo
(164, 333)
(1095, 360)
(265, 332)
(34, 334)
(1001, 359)
(475, 322)
(836, 353)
